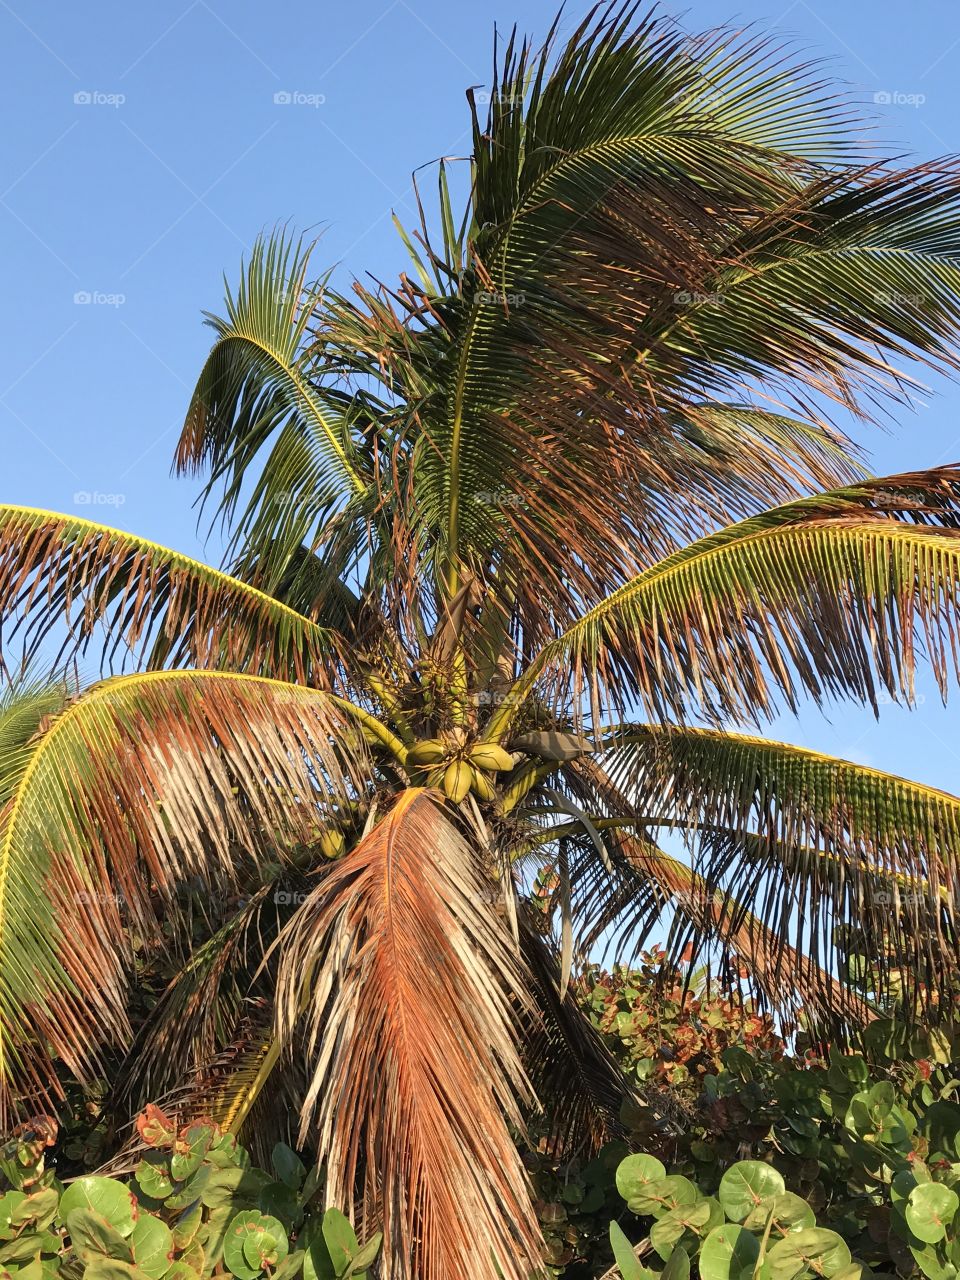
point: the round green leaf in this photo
(659, 1197)
(190, 1148)
(747, 1185)
(153, 1176)
(254, 1241)
(811, 1250)
(637, 1172)
(729, 1253)
(104, 1196)
(8, 1207)
(91, 1234)
(929, 1209)
(790, 1213)
(668, 1231)
(152, 1242)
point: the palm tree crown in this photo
(521, 549)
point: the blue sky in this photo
(145, 146)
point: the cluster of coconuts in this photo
(458, 768)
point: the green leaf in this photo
(253, 1243)
(290, 1266)
(363, 1258)
(930, 1209)
(790, 1213)
(340, 1239)
(729, 1252)
(288, 1166)
(746, 1186)
(152, 1242)
(91, 1233)
(626, 1259)
(191, 1146)
(811, 1250)
(664, 1194)
(635, 1173)
(678, 1266)
(153, 1175)
(104, 1196)
(112, 1269)
(670, 1229)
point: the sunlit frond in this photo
(415, 1101)
(832, 596)
(62, 572)
(140, 784)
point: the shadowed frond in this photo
(411, 990)
(144, 782)
(58, 570)
(832, 595)
(806, 841)
(197, 1015)
(577, 1079)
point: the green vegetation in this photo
(194, 1207)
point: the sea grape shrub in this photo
(899, 1190)
(842, 1130)
(752, 1227)
(671, 1029)
(195, 1207)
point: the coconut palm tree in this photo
(522, 550)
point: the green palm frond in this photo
(24, 706)
(831, 595)
(141, 783)
(256, 392)
(615, 183)
(58, 570)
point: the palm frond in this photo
(831, 595)
(256, 393)
(414, 1106)
(807, 842)
(141, 783)
(577, 1079)
(60, 570)
(617, 181)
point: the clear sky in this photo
(145, 146)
